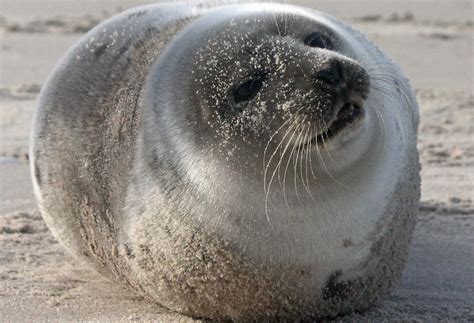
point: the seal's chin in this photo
(349, 115)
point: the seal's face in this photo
(272, 76)
(255, 81)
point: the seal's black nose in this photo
(343, 78)
(341, 86)
(332, 74)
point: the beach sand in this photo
(431, 40)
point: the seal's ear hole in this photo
(248, 90)
(318, 40)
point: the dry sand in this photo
(431, 40)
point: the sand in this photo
(431, 40)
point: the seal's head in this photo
(261, 111)
(254, 79)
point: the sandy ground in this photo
(431, 40)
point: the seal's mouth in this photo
(349, 114)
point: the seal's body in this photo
(246, 161)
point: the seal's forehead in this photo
(229, 31)
(272, 17)
(271, 10)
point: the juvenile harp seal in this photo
(250, 161)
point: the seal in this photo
(245, 161)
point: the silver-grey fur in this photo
(176, 202)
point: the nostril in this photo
(326, 76)
(319, 40)
(331, 74)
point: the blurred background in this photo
(418, 34)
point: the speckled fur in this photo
(88, 95)
(210, 279)
(124, 206)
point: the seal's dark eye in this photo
(318, 40)
(248, 90)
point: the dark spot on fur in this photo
(99, 51)
(122, 50)
(337, 291)
(37, 172)
(346, 243)
(398, 86)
